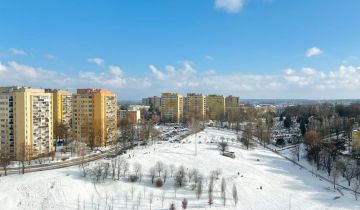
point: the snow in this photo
(284, 185)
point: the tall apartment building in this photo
(95, 116)
(215, 107)
(195, 106)
(232, 106)
(26, 122)
(62, 107)
(172, 106)
(154, 101)
(7, 127)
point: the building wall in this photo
(215, 106)
(62, 107)
(195, 106)
(7, 127)
(172, 106)
(95, 115)
(232, 107)
(33, 122)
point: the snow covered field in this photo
(284, 186)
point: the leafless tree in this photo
(159, 167)
(163, 198)
(223, 190)
(137, 169)
(180, 177)
(223, 146)
(5, 157)
(126, 199)
(199, 187)
(210, 191)
(348, 169)
(296, 152)
(151, 198)
(235, 194)
(125, 168)
(152, 173)
(132, 190)
(335, 174)
(356, 188)
(172, 169)
(165, 173)
(184, 203)
(139, 200)
(172, 206)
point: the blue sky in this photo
(249, 48)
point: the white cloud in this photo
(343, 82)
(314, 51)
(308, 71)
(15, 51)
(289, 71)
(115, 70)
(96, 61)
(157, 73)
(230, 6)
(3, 68)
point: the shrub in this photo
(133, 178)
(159, 182)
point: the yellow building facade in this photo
(33, 122)
(215, 107)
(172, 107)
(95, 116)
(195, 106)
(62, 107)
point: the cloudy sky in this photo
(250, 48)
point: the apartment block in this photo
(172, 106)
(62, 107)
(215, 107)
(7, 127)
(33, 122)
(154, 101)
(95, 116)
(195, 106)
(131, 116)
(232, 106)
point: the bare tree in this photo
(235, 194)
(172, 169)
(159, 167)
(184, 203)
(151, 198)
(223, 190)
(356, 188)
(152, 173)
(180, 177)
(335, 174)
(296, 152)
(81, 151)
(348, 169)
(210, 191)
(132, 190)
(172, 206)
(165, 173)
(125, 168)
(126, 199)
(137, 168)
(223, 146)
(199, 187)
(163, 198)
(5, 157)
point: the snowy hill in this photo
(284, 186)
